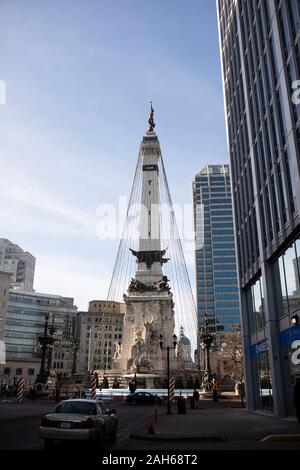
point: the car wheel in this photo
(100, 441)
(49, 443)
(114, 433)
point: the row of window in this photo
(19, 371)
(221, 252)
(267, 120)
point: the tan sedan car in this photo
(82, 420)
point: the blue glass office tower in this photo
(216, 269)
(260, 53)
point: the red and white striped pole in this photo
(93, 386)
(20, 390)
(172, 389)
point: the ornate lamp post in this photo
(75, 343)
(41, 377)
(52, 343)
(46, 341)
(207, 340)
(167, 348)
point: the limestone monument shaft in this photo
(151, 277)
(149, 301)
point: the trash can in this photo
(181, 406)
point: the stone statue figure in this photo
(151, 119)
(152, 335)
(142, 365)
(117, 350)
(139, 344)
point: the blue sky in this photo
(79, 76)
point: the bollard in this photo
(151, 429)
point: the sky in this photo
(79, 76)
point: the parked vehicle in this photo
(79, 419)
(143, 398)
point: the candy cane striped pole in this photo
(172, 389)
(93, 386)
(20, 390)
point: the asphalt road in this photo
(19, 423)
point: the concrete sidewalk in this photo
(216, 426)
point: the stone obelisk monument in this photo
(149, 301)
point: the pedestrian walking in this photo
(196, 397)
(297, 398)
(192, 402)
(215, 389)
(132, 387)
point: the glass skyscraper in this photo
(260, 52)
(25, 323)
(216, 269)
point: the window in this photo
(284, 29)
(19, 371)
(264, 380)
(257, 316)
(288, 265)
(290, 182)
(293, 7)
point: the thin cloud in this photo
(71, 277)
(35, 197)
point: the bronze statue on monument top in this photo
(151, 119)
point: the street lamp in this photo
(52, 343)
(92, 352)
(167, 348)
(75, 342)
(43, 342)
(46, 341)
(207, 340)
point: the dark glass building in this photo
(260, 52)
(216, 269)
(25, 323)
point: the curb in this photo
(281, 438)
(164, 437)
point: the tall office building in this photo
(19, 263)
(101, 328)
(25, 322)
(216, 270)
(260, 51)
(4, 292)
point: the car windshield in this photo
(76, 407)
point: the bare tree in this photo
(231, 353)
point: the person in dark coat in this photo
(215, 388)
(297, 398)
(196, 397)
